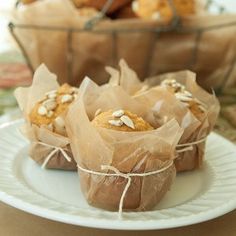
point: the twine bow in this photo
(50, 155)
(117, 173)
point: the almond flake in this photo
(52, 95)
(187, 93)
(59, 125)
(74, 90)
(173, 84)
(118, 113)
(127, 121)
(66, 98)
(42, 110)
(51, 92)
(115, 122)
(75, 95)
(50, 104)
(183, 98)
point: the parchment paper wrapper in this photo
(198, 45)
(195, 129)
(129, 152)
(164, 106)
(43, 82)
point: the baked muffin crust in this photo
(48, 111)
(121, 120)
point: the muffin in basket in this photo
(99, 4)
(125, 12)
(162, 9)
(44, 105)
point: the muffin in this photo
(193, 158)
(108, 197)
(161, 9)
(99, 4)
(47, 123)
(48, 111)
(44, 105)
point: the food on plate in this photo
(44, 105)
(123, 162)
(48, 111)
(197, 111)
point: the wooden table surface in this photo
(14, 222)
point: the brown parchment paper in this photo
(147, 51)
(164, 106)
(194, 128)
(129, 152)
(43, 81)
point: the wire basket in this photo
(157, 33)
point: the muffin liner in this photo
(47, 148)
(164, 106)
(123, 154)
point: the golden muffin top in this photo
(47, 111)
(121, 120)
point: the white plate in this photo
(194, 197)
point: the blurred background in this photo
(205, 44)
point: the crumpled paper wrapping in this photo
(164, 106)
(148, 52)
(43, 82)
(129, 152)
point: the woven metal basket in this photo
(174, 26)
